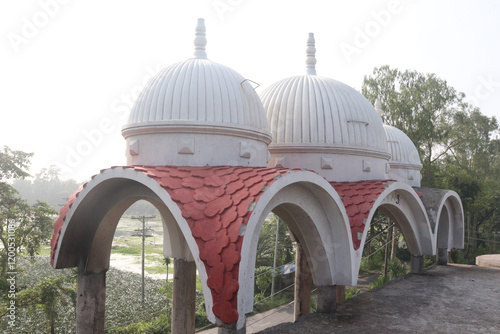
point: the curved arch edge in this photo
(290, 189)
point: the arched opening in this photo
(274, 265)
(312, 212)
(443, 235)
(401, 204)
(86, 239)
(385, 254)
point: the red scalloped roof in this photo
(60, 222)
(358, 198)
(216, 202)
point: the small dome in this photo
(199, 90)
(311, 110)
(405, 162)
(310, 114)
(196, 113)
(402, 149)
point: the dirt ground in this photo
(446, 299)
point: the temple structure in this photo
(215, 159)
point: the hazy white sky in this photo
(70, 68)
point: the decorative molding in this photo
(279, 162)
(402, 165)
(326, 163)
(197, 127)
(367, 166)
(245, 150)
(186, 146)
(327, 149)
(133, 147)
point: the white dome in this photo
(197, 113)
(199, 91)
(322, 124)
(405, 161)
(402, 149)
(313, 111)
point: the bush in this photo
(351, 292)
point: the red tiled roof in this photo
(216, 202)
(60, 222)
(358, 198)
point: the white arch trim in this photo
(453, 205)
(410, 210)
(128, 176)
(324, 208)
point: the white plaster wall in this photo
(410, 176)
(334, 167)
(192, 149)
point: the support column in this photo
(340, 294)
(442, 256)
(303, 284)
(90, 302)
(184, 297)
(327, 299)
(417, 264)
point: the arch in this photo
(89, 226)
(315, 214)
(450, 212)
(401, 203)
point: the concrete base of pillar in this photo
(327, 299)
(223, 330)
(90, 302)
(303, 284)
(417, 264)
(442, 256)
(184, 297)
(340, 294)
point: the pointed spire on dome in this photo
(200, 41)
(378, 107)
(311, 55)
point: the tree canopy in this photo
(454, 139)
(23, 227)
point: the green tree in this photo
(47, 186)
(267, 242)
(421, 105)
(23, 227)
(454, 140)
(49, 295)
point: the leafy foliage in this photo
(455, 141)
(23, 227)
(49, 295)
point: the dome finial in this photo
(311, 55)
(200, 41)
(378, 107)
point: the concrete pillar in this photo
(327, 299)
(417, 264)
(442, 256)
(303, 284)
(90, 302)
(340, 294)
(184, 297)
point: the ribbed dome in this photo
(403, 151)
(197, 113)
(324, 125)
(310, 110)
(200, 90)
(405, 163)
